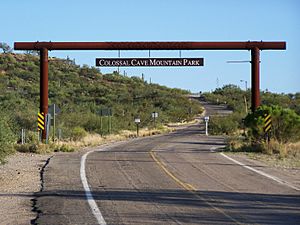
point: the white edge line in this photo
(88, 193)
(261, 173)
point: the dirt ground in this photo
(19, 180)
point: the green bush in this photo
(63, 148)
(27, 148)
(225, 124)
(77, 133)
(80, 92)
(7, 137)
(285, 123)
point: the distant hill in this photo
(81, 91)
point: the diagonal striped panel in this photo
(267, 117)
(268, 122)
(41, 116)
(41, 127)
(267, 128)
(41, 121)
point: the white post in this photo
(59, 134)
(23, 136)
(206, 119)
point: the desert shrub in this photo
(7, 137)
(285, 124)
(225, 124)
(63, 148)
(77, 133)
(27, 148)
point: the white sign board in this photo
(154, 115)
(206, 119)
(137, 120)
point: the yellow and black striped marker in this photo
(41, 121)
(268, 123)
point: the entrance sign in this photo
(111, 62)
(254, 46)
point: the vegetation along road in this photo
(176, 178)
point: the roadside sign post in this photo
(267, 126)
(59, 134)
(154, 116)
(137, 122)
(105, 112)
(53, 122)
(48, 124)
(53, 111)
(206, 119)
(101, 126)
(23, 136)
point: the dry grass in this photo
(276, 161)
(283, 150)
(96, 139)
(274, 153)
(88, 140)
(183, 123)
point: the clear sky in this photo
(168, 20)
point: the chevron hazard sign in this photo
(41, 121)
(268, 123)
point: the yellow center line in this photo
(188, 186)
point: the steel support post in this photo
(44, 86)
(255, 94)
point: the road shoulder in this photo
(288, 175)
(19, 181)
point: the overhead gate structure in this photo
(44, 47)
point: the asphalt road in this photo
(176, 178)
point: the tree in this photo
(32, 52)
(5, 48)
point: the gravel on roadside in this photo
(19, 180)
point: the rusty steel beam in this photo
(255, 94)
(44, 86)
(248, 45)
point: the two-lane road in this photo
(176, 178)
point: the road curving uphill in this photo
(177, 178)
